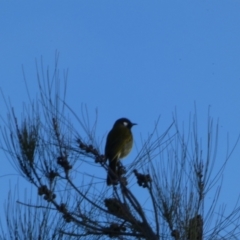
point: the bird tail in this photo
(112, 177)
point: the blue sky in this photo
(135, 59)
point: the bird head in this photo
(124, 122)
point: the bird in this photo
(118, 145)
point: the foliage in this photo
(173, 173)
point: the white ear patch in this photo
(125, 124)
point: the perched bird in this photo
(118, 145)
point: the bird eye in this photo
(125, 124)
